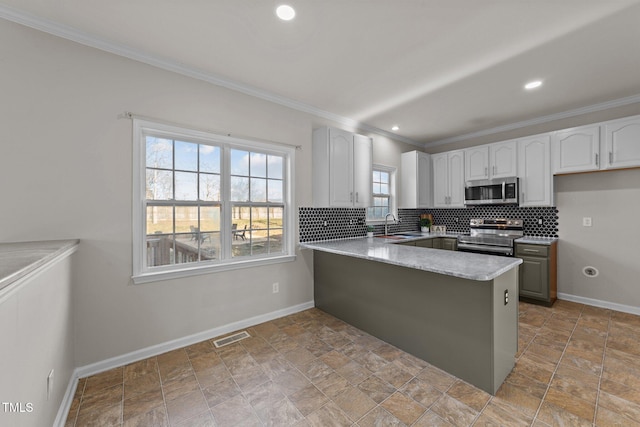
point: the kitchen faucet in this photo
(386, 217)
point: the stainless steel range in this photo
(492, 236)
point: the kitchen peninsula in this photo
(455, 310)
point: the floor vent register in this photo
(231, 339)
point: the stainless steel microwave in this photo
(491, 192)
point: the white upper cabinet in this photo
(503, 159)
(534, 171)
(476, 163)
(415, 180)
(613, 144)
(448, 179)
(622, 143)
(497, 160)
(342, 169)
(362, 171)
(576, 149)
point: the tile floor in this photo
(577, 366)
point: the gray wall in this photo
(611, 244)
(66, 169)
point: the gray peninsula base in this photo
(459, 325)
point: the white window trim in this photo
(393, 208)
(141, 273)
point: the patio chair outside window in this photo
(239, 234)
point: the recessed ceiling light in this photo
(394, 128)
(533, 84)
(285, 12)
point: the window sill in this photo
(196, 271)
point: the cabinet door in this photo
(416, 181)
(437, 243)
(503, 159)
(425, 243)
(534, 171)
(476, 163)
(622, 143)
(576, 150)
(449, 244)
(440, 180)
(424, 180)
(362, 171)
(456, 179)
(341, 168)
(534, 277)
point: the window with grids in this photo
(210, 201)
(382, 205)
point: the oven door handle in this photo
(484, 248)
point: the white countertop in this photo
(535, 240)
(451, 263)
(19, 259)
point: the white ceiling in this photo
(437, 68)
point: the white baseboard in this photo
(134, 356)
(67, 400)
(599, 303)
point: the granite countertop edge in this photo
(536, 240)
(464, 265)
(19, 259)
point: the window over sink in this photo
(383, 183)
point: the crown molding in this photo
(81, 37)
(634, 99)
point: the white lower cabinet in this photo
(534, 171)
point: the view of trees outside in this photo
(183, 192)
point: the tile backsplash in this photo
(341, 223)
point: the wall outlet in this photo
(506, 296)
(586, 221)
(276, 287)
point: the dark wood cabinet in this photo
(445, 243)
(538, 272)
